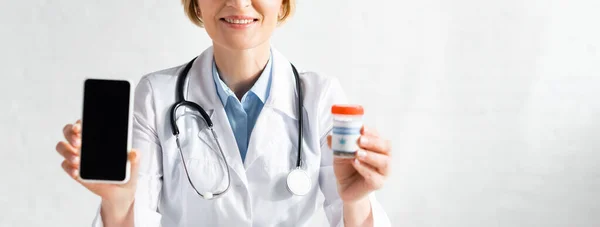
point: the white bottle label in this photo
(345, 136)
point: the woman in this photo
(248, 89)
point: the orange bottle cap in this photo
(347, 109)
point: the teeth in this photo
(235, 21)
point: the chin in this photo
(238, 43)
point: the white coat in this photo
(258, 195)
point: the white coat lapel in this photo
(201, 90)
(282, 101)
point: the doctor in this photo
(248, 90)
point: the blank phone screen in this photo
(105, 128)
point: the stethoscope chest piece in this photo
(298, 182)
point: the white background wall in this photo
(493, 107)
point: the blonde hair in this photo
(191, 11)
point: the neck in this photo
(240, 69)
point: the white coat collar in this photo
(283, 94)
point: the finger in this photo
(66, 150)
(374, 143)
(72, 133)
(70, 158)
(73, 161)
(342, 160)
(67, 130)
(369, 131)
(134, 159)
(373, 178)
(77, 127)
(329, 141)
(379, 161)
(75, 138)
(72, 172)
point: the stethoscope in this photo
(298, 181)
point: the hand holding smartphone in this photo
(102, 160)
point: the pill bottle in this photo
(347, 123)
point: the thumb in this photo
(134, 159)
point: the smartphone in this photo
(106, 131)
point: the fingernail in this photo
(356, 162)
(364, 140)
(76, 143)
(75, 172)
(134, 156)
(361, 153)
(75, 159)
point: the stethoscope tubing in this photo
(181, 102)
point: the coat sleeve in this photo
(145, 141)
(333, 204)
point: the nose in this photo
(240, 4)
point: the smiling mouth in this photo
(239, 21)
